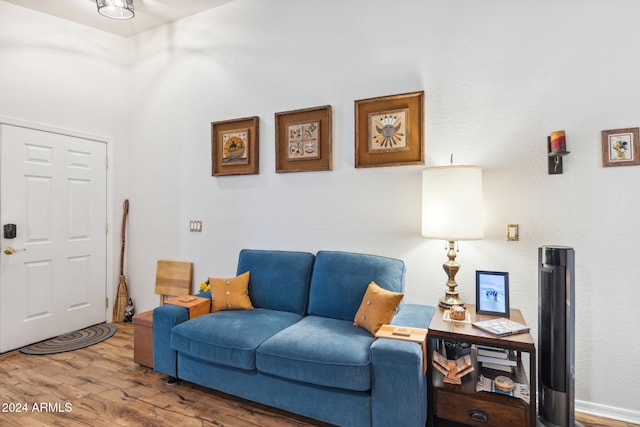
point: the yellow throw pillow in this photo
(377, 308)
(230, 294)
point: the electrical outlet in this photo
(513, 232)
(195, 226)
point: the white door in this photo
(53, 188)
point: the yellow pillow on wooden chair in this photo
(377, 308)
(230, 294)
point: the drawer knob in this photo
(478, 415)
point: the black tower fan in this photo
(556, 343)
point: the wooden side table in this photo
(462, 403)
(143, 338)
(143, 326)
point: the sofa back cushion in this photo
(340, 280)
(279, 280)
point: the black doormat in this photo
(72, 341)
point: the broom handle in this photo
(124, 223)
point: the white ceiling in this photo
(149, 13)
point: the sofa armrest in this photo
(414, 315)
(165, 317)
(399, 390)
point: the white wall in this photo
(69, 77)
(499, 76)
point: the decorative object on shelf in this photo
(453, 370)
(492, 293)
(389, 130)
(521, 391)
(457, 312)
(116, 9)
(303, 140)
(447, 317)
(620, 147)
(556, 149)
(234, 147)
(504, 384)
(456, 349)
(452, 211)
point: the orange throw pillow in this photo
(230, 294)
(377, 308)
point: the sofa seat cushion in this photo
(230, 338)
(321, 351)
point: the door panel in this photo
(53, 187)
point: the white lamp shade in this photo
(452, 203)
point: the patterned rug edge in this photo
(71, 341)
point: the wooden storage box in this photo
(143, 338)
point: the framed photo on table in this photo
(492, 293)
(303, 140)
(389, 130)
(234, 147)
(620, 147)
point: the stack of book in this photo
(495, 358)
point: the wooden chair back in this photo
(173, 278)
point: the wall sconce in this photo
(556, 149)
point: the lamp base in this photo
(449, 300)
(451, 267)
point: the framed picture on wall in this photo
(620, 147)
(389, 130)
(234, 147)
(492, 293)
(303, 140)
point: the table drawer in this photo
(472, 411)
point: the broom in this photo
(122, 296)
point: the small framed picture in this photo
(620, 147)
(389, 130)
(492, 293)
(303, 140)
(234, 147)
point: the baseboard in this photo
(610, 412)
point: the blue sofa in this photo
(298, 349)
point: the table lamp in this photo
(452, 211)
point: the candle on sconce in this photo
(558, 142)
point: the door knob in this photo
(10, 251)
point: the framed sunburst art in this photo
(389, 130)
(234, 147)
(303, 140)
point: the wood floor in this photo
(102, 386)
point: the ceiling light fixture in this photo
(116, 9)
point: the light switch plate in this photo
(195, 226)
